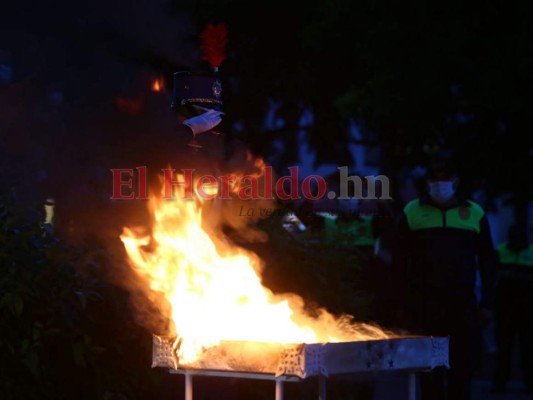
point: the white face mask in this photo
(441, 191)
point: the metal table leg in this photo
(412, 386)
(188, 386)
(279, 389)
(321, 387)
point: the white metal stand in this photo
(190, 373)
(279, 388)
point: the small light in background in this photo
(158, 85)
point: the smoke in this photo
(241, 214)
(330, 327)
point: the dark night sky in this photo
(68, 33)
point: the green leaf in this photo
(31, 361)
(78, 352)
(17, 304)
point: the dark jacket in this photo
(438, 252)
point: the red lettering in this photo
(118, 183)
(209, 181)
(141, 183)
(267, 176)
(170, 182)
(321, 187)
(249, 192)
(226, 183)
(293, 185)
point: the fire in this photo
(215, 291)
(157, 85)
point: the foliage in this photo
(65, 334)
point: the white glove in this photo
(204, 122)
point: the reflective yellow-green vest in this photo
(508, 256)
(425, 216)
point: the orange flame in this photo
(215, 290)
(158, 84)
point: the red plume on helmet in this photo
(197, 89)
(214, 41)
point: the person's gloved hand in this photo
(204, 122)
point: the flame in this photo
(158, 84)
(215, 291)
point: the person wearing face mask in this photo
(442, 240)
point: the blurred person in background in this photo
(514, 307)
(441, 240)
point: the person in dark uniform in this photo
(442, 239)
(514, 307)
